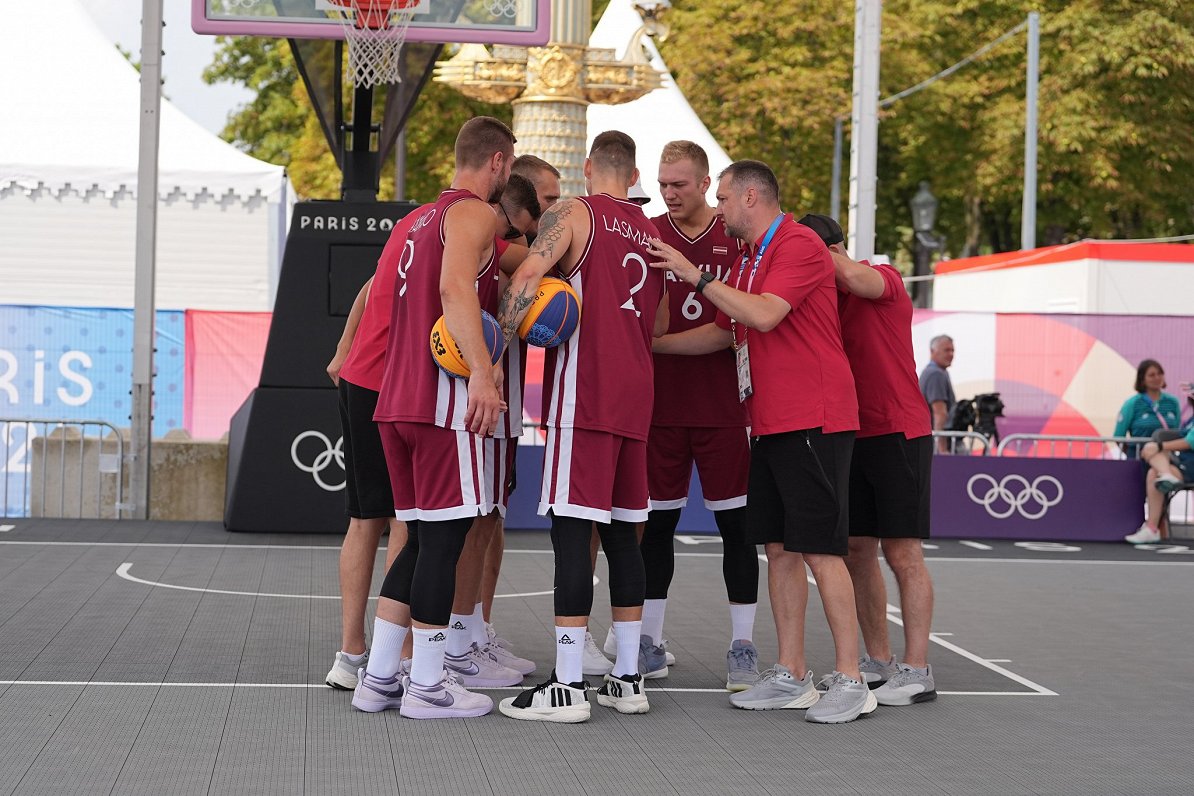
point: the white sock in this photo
(480, 633)
(353, 660)
(570, 647)
(427, 664)
(653, 611)
(387, 648)
(628, 635)
(460, 634)
(742, 621)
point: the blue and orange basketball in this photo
(447, 355)
(553, 315)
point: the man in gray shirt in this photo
(936, 386)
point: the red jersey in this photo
(366, 360)
(799, 373)
(697, 391)
(601, 379)
(877, 334)
(489, 293)
(413, 389)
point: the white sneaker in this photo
(494, 638)
(594, 662)
(611, 648)
(343, 674)
(624, 694)
(1166, 483)
(504, 657)
(479, 670)
(1145, 535)
(563, 703)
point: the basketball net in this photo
(375, 31)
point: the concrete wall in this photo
(76, 477)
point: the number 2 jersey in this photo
(413, 388)
(697, 391)
(602, 378)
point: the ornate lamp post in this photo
(924, 241)
(551, 86)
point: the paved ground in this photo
(177, 658)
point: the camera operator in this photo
(936, 385)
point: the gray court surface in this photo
(177, 658)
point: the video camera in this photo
(978, 414)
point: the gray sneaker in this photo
(845, 700)
(652, 659)
(343, 674)
(777, 689)
(907, 687)
(876, 672)
(742, 666)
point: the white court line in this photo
(1038, 690)
(975, 545)
(123, 571)
(85, 683)
(6, 528)
(548, 552)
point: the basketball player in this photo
(434, 429)
(697, 417)
(889, 472)
(781, 316)
(595, 384)
(546, 179)
(356, 370)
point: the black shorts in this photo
(799, 491)
(367, 492)
(890, 477)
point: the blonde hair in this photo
(685, 150)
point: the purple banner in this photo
(983, 497)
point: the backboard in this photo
(517, 22)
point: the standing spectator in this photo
(936, 386)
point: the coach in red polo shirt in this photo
(780, 314)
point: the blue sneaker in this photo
(652, 659)
(742, 666)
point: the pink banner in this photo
(223, 364)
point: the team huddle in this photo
(734, 338)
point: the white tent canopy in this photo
(68, 180)
(653, 120)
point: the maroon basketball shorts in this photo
(722, 457)
(594, 475)
(441, 474)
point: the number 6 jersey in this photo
(601, 378)
(697, 391)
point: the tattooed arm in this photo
(551, 245)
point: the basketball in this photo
(553, 315)
(447, 355)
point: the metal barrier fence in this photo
(1092, 447)
(962, 443)
(61, 468)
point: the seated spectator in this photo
(1149, 410)
(1170, 458)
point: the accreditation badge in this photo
(742, 356)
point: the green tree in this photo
(279, 124)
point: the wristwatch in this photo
(706, 278)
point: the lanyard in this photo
(1151, 405)
(750, 282)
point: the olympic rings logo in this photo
(322, 460)
(1014, 494)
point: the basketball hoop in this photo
(375, 31)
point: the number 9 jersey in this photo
(601, 378)
(697, 391)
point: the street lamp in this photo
(924, 241)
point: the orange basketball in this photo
(553, 315)
(447, 354)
